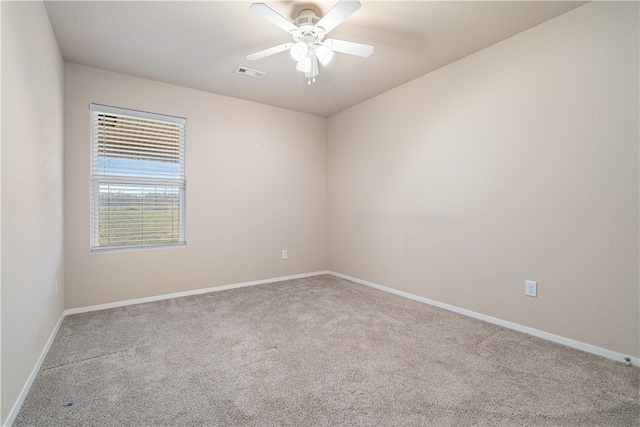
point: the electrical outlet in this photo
(56, 287)
(285, 255)
(530, 288)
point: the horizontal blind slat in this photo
(148, 137)
(134, 144)
(160, 120)
(121, 121)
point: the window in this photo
(138, 179)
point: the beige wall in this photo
(32, 191)
(256, 184)
(518, 162)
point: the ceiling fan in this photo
(308, 30)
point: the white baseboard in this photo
(535, 332)
(25, 390)
(187, 293)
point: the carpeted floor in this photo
(312, 352)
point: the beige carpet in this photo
(312, 352)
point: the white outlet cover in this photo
(530, 288)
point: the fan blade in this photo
(269, 52)
(338, 13)
(351, 48)
(271, 15)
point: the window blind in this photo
(138, 180)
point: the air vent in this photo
(251, 73)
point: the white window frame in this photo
(140, 179)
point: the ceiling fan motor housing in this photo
(306, 18)
(306, 23)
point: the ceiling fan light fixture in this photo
(324, 54)
(299, 51)
(304, 65)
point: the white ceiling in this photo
(200, 44)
